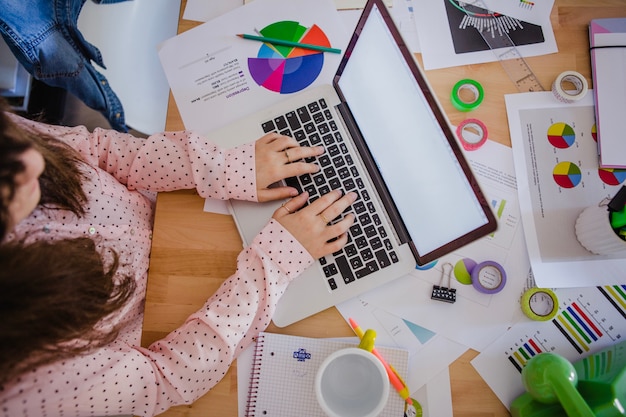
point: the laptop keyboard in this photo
(369, 247)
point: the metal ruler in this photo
(494, 30)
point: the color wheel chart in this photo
(567, 174)
(561, 135)
(285, 69)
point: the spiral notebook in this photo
(283, 375)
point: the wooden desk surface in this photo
(194, 251)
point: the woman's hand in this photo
(279, 157)
(312, 226)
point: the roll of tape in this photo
(474, 88)
(539, 304)
(472, 134)
(488, 277)
(575, 79)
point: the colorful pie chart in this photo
(287, 69)
(561, 135)
(567, 174)
(612, 176)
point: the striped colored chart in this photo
(616, 294)
(578, 327)
(611, 176)
(287, 69)
(527, 350)
(567, 174)
(561, 135)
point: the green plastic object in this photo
(591, 387)
(618, 219)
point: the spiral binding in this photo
(254, 377)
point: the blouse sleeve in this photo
(123, 378)
(193, 358)
(165, 161)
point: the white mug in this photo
(352, 382)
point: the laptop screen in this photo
(410, 142)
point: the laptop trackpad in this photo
(250, 217)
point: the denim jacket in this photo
(45, 39)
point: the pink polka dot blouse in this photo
(123, 377)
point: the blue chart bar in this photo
(577, 327)
(523, 354)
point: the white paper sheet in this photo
(609, 81)
(549, 208)
(203, 10)
(212, 205)
(207, 67)
(403, 12)
(445, 44)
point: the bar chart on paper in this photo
(285, 69)
(522, 350)
(589, 320)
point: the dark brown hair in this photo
(52, 294)
(61, 181)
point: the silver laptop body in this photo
(416, 187)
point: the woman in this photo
(75, 224)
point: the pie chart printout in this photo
(567, 174)
(287, 69)
(561, 135)
(612, 176)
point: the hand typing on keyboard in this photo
(369, 247)
(279, 157)
(312, 226)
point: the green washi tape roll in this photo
(414, 410)
(540, 304)
(474, 88)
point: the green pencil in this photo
(289, 43)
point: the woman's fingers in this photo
(291, 206)
(298, 153)
(328, 211)
(310, 225)
(279, 157)
(289, 148)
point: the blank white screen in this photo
(426, 182)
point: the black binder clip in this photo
(441, 293)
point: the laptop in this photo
(388, 140)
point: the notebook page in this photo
(284, 369)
